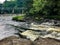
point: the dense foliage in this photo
(16, 6)
(45, 8)
(35, 9)
(19, 18)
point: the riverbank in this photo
(20, 18)
(20, 41)
(50, 19)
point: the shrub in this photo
(53, 17)
(18, 18)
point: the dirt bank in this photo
(20, 41)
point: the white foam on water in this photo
(6, 30)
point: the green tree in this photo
(0, 8)
(45, 8)
(9, 6)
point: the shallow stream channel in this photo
(6, 29)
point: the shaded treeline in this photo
(45, 9)
(16, 6)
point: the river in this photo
(5, 29)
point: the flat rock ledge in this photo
(21, 41)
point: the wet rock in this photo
(58, 35)
(32, 35)
(15, 41)
(46, 41)
(54, 33)
(54, 29)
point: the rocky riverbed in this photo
(44, 30)
(33, 34)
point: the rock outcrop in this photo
(21, 41)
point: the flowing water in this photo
(5, 29)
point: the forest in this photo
(32, 8)
(16, 6)
(30, 22)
